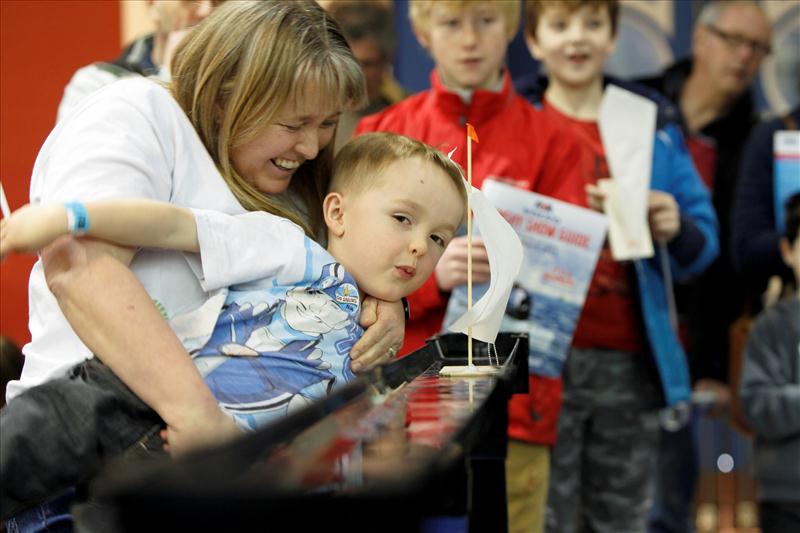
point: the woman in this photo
(246, 124)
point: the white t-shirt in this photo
(129, 139)
(279, 341)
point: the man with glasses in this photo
(713, 92)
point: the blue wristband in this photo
(77, 218)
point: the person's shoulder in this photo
(130, 101)
(393, 116)
(141, 85)
(144, 95)
(784, 309)
(92, 77)
(766, 129)
(545, 128)
(531, 88)
(782, 317)
(655, 82)
(86, 81)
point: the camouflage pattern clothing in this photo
(602, 464)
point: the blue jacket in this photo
(691, 252)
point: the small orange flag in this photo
(471, 132)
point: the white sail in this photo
(505, 258)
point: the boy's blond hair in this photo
(535, 8)
(361, 161)
(419, 11)
(234, 73)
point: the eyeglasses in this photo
(735, 40)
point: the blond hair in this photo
(360, 162)
(234, 73)
(419, 12)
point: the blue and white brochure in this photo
(561, 243)
(786, 145)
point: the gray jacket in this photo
(770, 393)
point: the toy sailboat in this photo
(482, 321)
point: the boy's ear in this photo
(333, 211)
(533, 47)
(422, 38)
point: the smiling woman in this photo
(236, 79)
(296, 135)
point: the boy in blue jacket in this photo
(608, 430)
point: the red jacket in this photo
(517, 144)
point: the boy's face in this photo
(391, 236)
(573, 45)
(468, 45)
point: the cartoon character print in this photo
(264, 360)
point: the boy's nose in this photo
(576, 32)
(419, 246)
(469, 34)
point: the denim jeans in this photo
(52, 516)
(59, 434)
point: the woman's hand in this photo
(385, 325)
(663, 215)
(126, 331)
(32, 227)
(451, 270)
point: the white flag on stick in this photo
(505, 258)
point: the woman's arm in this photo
(133, 222)
(114, 316)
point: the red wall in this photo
(42, 42)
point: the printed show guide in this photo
(561, 243)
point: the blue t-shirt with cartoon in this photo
(277, 347)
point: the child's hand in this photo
(451, 270)
(663, 216)
(213, 429)
(32, 227)
(595, 197)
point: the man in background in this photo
(713, 92)
(368, 26)
(148, 55)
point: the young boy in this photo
(770, 394)
(279, 341)
(518, 145)
(608, 431)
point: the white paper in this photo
(505, 258)
(561, 243)
(623, 246)
(627, 124)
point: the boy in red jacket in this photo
(518, 145)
